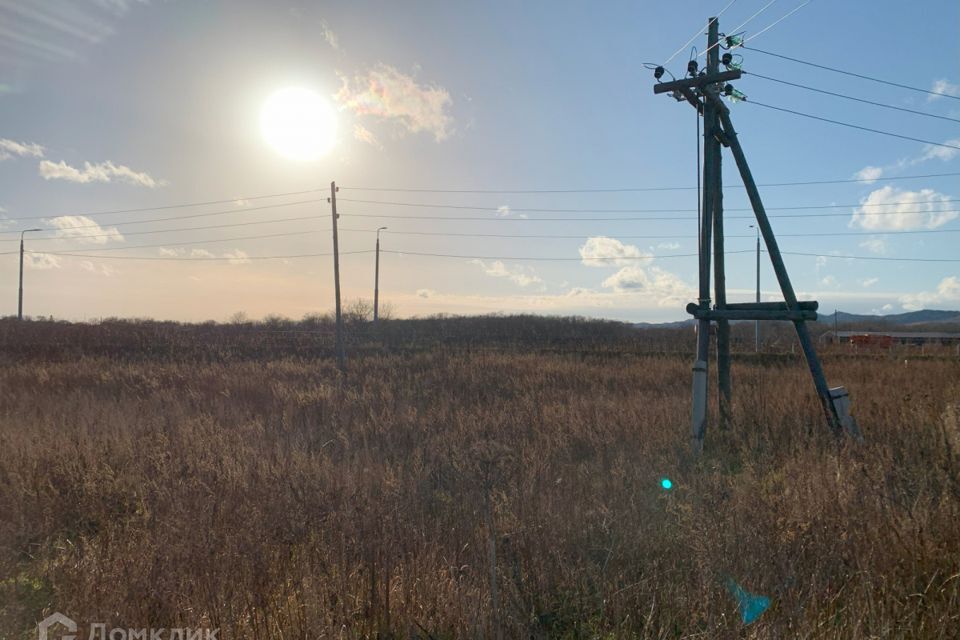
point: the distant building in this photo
(890, 338)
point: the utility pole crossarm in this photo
(698, 82)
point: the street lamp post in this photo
(376, 280)
(756, 328)
(20, 296)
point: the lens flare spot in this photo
(666, 484)
(750, 605)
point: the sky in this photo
(115, 113)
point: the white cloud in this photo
(601, 251)
(869, 282)
(943, 86)
(85, 230)
(869, 174)
(42, 261)
(875, 245)
(99, 172)
(201, 253)
(329, 35)
(662, 287)
(171, 252)
(118, 6)
(363, 134)
(387, 93)
(947, 294)
(933, 151)
(101, 269)
(821, 261)
(672, 246)
(426, 293)
(503, 210)
(923, 209)
(518, 275)
(237, 257)
(10, 148)
(828, 281)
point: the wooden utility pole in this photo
(719, 267)
(341, 359)
(702, 90)
(710, 166)
(376, 280)
(20, 290)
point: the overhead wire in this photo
(209, 214)
(855, 75)
(177, 244)
(387, 216)
(742, 25)
(155, 231)
(181, 205)
(698, 33)
(611, 259)
(880, 258)
(820, 234)
(235, 259)
(633, 189)
(771, 26)
(854, 98)
(853, 126)
(430, 205)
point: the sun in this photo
(298, 123)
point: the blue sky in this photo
(123, 104)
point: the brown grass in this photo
(190, 476)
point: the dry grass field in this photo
(479, 478)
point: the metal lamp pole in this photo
(376, 280)
(20, 296)
(756, 329)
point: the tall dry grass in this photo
(204, 476)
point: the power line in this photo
(631, 218)
(194, 259)
(853, 126)
(439, 206)
(697, 34)
(855, 99)
(580, 236)
(153, 231)
(638, 189)
(466, 218)
(174, 245)
(775, 23)
(612, 259)
(209, 214)
(855, 75)
(647, 237)
(742, 25)
(182, 205)
(881, 258)
(427, 205)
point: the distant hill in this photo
(677, 324)
(924, 316)
(908, 319)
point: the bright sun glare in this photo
(298, 123)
